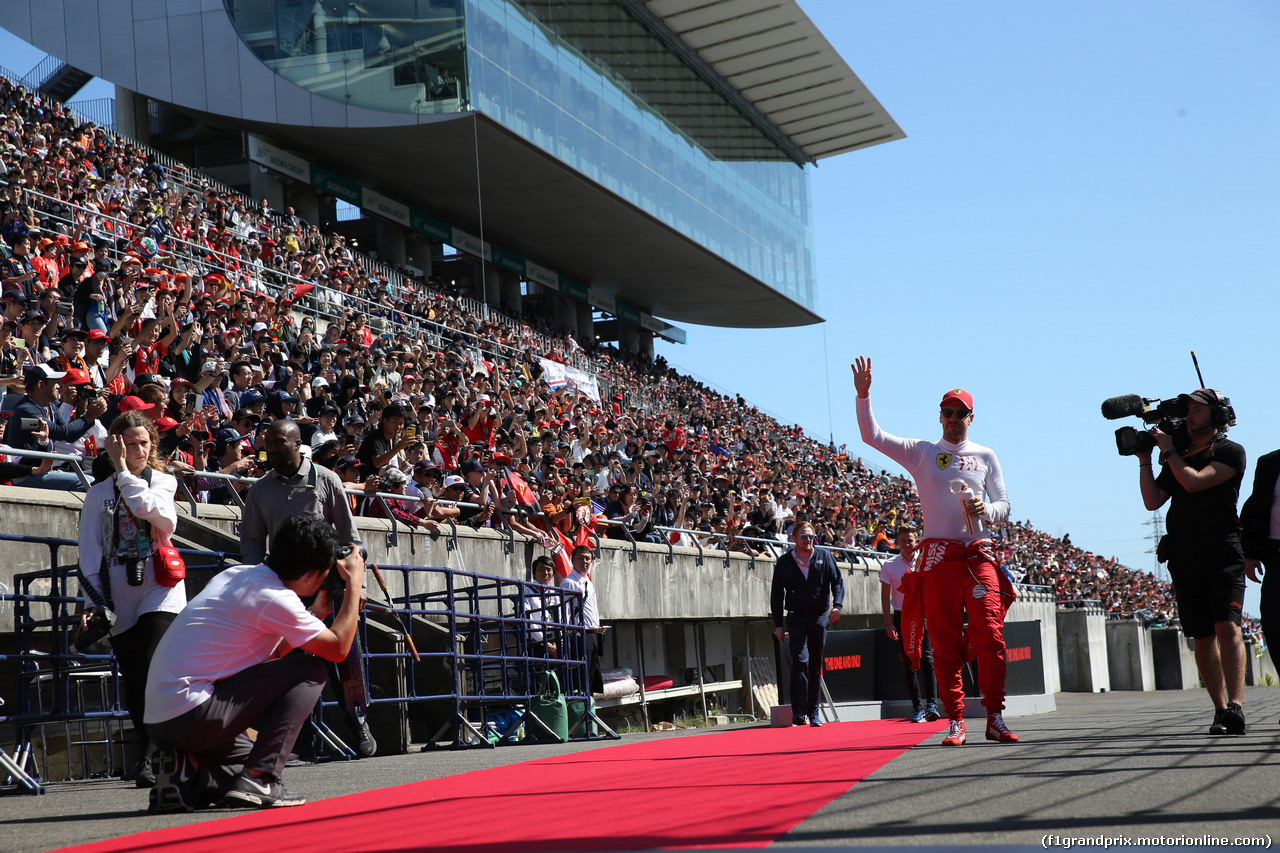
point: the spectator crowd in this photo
(129, 285)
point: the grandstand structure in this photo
(624, 165)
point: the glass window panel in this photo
(584, 80)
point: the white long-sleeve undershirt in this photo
(934, 465)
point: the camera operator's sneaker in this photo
(998, 731)
(918, 716)
(263, 792)
(1218, 727)
(956, 736)
(798, 720)
(931, 712)
(1232, 719)
(174, 790)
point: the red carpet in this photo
(742, 788)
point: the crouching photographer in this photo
(223, 667)
(1200, 474)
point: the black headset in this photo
(1220, 412)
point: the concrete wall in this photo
(632, 584)
(1082, 650)
(637, 586)
(1174, 660)
(1129, 658)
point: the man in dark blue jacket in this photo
(806, 582)
(41, 404)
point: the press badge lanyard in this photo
(142, 539)
(309, 486)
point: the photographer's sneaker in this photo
(918, 716)
(1232, 719)
(366, 746)
(248, 792)
(931, 712)
(998, 731)
(174, 789)
(956, 736)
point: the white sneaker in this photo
(956, 736)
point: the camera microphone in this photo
(1114, 408)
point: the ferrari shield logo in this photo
(944, 459)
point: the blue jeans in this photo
(94, 320)
(66, 481)
(808, 639)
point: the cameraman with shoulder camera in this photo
(222, 668)
(1201, 482)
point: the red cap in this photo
(166, 423)
(75, 376)
(960, 396)
(133, 404)
(97, 335)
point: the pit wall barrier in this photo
(1130, 661)
(1082, 649)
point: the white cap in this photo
(453, 480)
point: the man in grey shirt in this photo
(298, 486)
(293, 486)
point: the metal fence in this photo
(479, 631)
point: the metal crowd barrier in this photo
(46, 612)
(482, 626)
(481, 629)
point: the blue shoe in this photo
(798, 720)
(815, 723)
(931, 713)
(918, 716)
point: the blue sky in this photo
(1087, 192)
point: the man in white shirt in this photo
(579, 580)
(891, 575)
(957, 562)
(222, 668)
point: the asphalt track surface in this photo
(1127, 766)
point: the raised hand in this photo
(862, 375)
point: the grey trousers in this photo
(274, 697)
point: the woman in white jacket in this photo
(125, 519)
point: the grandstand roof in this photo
(768, 53)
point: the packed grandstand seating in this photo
(214, 314)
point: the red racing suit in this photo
(955, 579)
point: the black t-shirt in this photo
(374, 444)
(1207, 517)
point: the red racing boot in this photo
(998, 731)
(956, 736)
